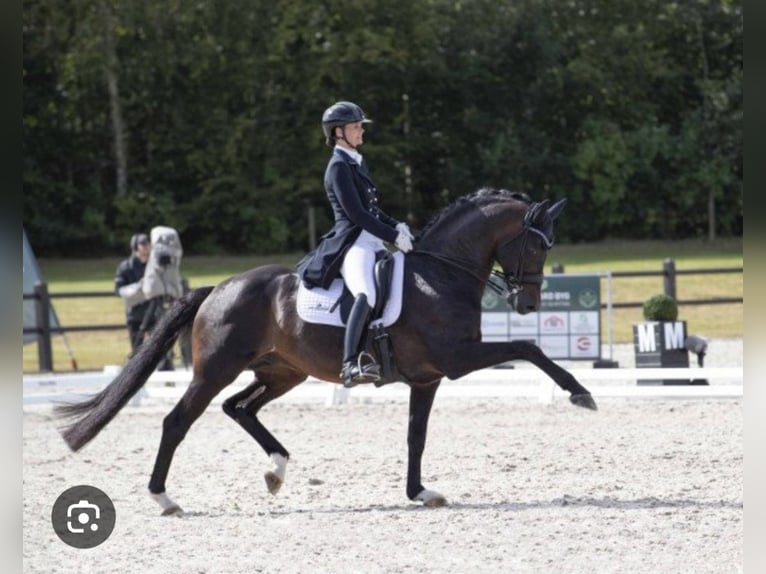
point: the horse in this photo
(249, 321)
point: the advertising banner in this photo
(567, 326)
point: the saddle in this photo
(377, 336)
(383, 273)
(332, 307)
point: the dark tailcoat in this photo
(354, 202)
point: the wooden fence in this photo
(43, 329)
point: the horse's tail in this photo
(94, 414)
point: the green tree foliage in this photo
(632, 110)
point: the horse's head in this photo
(522, 256)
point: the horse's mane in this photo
(468, 200)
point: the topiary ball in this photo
(660, 308)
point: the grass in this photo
(93, 350)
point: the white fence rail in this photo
(726, 382)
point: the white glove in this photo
(403, 242)
(405, 229)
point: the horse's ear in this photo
(536, 213)
(557, 208)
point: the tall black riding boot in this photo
(358, 367)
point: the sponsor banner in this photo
(584, 346)
(555, 346)
(494, 324)
(523, 324)
(571, 293)
(552, 323)
(584, 322)
(568, 324)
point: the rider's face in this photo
(354, 134)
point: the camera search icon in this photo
(83, 516)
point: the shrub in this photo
(660, 308)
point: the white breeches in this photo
(358, 264)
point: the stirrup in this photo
(354, 374)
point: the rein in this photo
(458, 264)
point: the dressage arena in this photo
(646, 484)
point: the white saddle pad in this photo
(314, 304)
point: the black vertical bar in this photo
(43, 319)
(669, 270)
(312, 227)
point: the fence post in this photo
(669, 277)
(312, 225)
(43, 320)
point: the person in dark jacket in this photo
(141, 313)
(360, 230)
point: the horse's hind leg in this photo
(271, 382)
(176, 424)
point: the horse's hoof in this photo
(431, 499)
(174, 510)
(169, 508)
(584, 400)
(273, 482)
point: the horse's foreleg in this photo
(243, 407)
(474, 356)
(421, 401)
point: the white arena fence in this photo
(725, 383)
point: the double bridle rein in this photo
(513, 281)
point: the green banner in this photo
(567, 326)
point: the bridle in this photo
(513, 282)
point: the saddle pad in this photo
(314, 304)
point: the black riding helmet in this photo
(338, 115)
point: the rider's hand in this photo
(403, 242)
(405, 229)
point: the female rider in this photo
(360, 229)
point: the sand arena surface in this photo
(639, 486)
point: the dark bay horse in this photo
(250, 321)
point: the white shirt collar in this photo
(355, 155)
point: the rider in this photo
(360, 229)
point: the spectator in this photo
(141, 313)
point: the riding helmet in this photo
(339, 114)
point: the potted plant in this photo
(659, 341)
(660, 308)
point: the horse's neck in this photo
(467, 243)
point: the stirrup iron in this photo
(355, 374)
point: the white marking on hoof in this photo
(431, 498)
(169, 507)
(275, 478)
